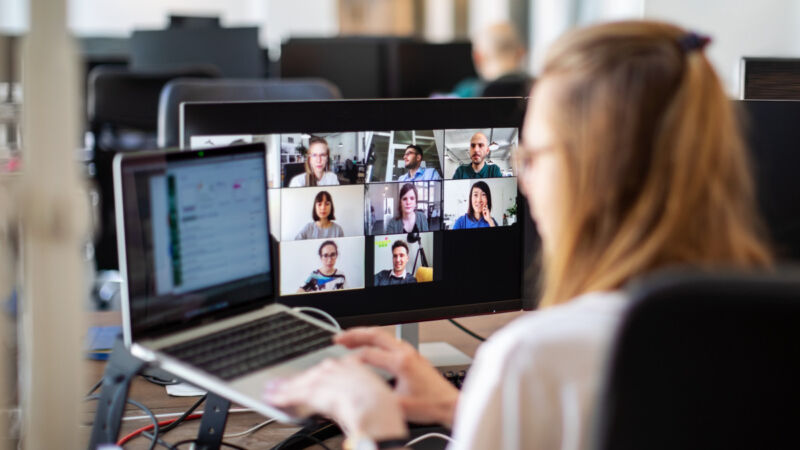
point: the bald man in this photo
(478, 167)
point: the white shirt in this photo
(328, 179)
(533, 385)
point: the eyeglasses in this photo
(329, 255)
(523, 159)
(409, 152)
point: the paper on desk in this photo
(184, 390)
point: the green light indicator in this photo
(201, 153)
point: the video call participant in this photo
(318, 165)
(322, 215)
(479, 212)
(407, 219)
(478, 168)
(613, 200)
(327, 277)
(413, 158)
(398, 274)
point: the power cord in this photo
(428, 436)
(147, 411)
(192, 441)
(467, 330)
(311, 309)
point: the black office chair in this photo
(122, 109)
(232, 89)
(705, 361)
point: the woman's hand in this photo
(423, 393)
(487, 216)
(348, 392)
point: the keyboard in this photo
(254, 345)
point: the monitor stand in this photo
(441, 354)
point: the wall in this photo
(738, 28)
(277, 19)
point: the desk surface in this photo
(155, 397)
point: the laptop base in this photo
(120, 370)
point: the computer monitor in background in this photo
(234, 51)
(451, 271)
(334, 59)
(388, 67)
(773, 135)
(420, 69)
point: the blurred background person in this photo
(499, 57)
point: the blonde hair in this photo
(656, 168)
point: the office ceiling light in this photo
(494, 146)
(305, 136)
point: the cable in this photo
(467, 330)
(192, 441)
(185, 415)
(147, 411)
(428, 436)
(94, 387)
(308, 309)
(128, 437)
(250, 431)
(304, 436)
(164, 415)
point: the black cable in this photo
(467, 330)
(146, 410)
(183, 417)
(301, 436)
(94, 387)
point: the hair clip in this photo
(693, 41)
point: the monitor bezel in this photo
(270, 117)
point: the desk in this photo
(155, 397)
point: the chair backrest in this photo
(121, 105)
(119, 96)
(705, 361)
(231, 89)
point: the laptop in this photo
(197, 265)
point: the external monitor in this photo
(367, 230)
(234, 51)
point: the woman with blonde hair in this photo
(317, 165)
(632, 161)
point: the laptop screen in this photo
(195, 235)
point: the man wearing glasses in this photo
(413, 158)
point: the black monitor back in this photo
(422, 68)
(354, 64)
(379, 67)
(774, 137)
(234, 51)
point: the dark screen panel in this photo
(774, 137)
(234, 51)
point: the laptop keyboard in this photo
(246, 348)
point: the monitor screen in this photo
(196, 239)
(386, 211)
